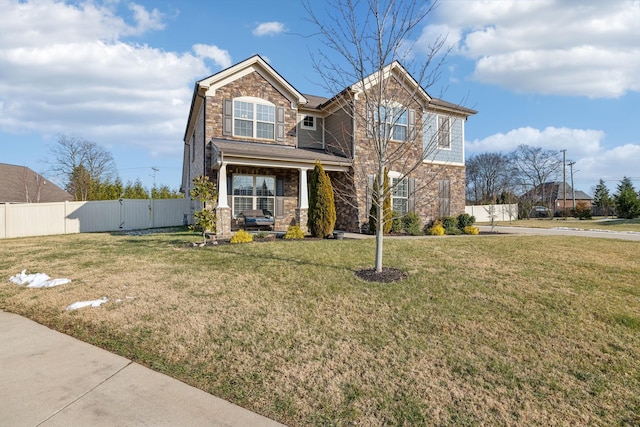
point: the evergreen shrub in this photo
(241, 236)
(294, 232)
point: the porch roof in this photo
(279, 156)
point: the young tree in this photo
(387, 213)
(366, 38)
(206, 193)
(602, 199)
(322, 209)
(627, 201)
(81, 164)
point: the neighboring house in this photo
(19, 184)
(552, 195)
(258, 138)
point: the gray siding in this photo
(338, 133)
(310, 138)
(454, 154)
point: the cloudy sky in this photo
(560, 74)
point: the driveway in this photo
(563, 231)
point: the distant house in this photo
(557, 196)
(258, 138)
(19, 184)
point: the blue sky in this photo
(552, 73)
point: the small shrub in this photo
(262, 234)
(465, 220)
(241, 236)
(449, 222)
(294, 232)
(470, 229)
(582, 211)
(436, 229)
(452, 231)
(412, 224)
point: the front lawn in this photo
(485, 330)
(612, 224)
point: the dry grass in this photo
(522, 330)
(597, 223)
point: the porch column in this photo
(303, 196)
(222, 186)
(223, 211)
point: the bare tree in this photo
(535, 167)
(80, 163)
(369, 39)
(488, 176)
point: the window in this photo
(400, 195)
(309, 123)
(253, 192)
(393, 122)
(444, 132)
(253, 119)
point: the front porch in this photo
(264, 177)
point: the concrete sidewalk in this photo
(51, 379)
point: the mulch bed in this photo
(387, 275)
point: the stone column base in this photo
(223, 226)
(301, 219)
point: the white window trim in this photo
(438, 131)
(254, 197)
(255, 101)
(403, 110)
(305, 127)
(398, 176)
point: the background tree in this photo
(366, 36)
(135, 190)
(602, 199)
(81, 164)
(206, 193)
(488, 176)
(533, 167)
(322, 209)
(627, 201)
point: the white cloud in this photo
(593, 160)
(219, 56)
(67, 69)
(548, 46)
(269, 29)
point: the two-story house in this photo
(258, 138)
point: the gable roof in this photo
(19, 184)
(555, 191)
(241, 69)
(404, 77)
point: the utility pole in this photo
(573, 191)
(564, 183)
(155, 169)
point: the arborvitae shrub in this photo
(397, 225)
(387, 214)
(294, 232)
(465, 220)
(241, 236)
(412, 224)
(322, 209)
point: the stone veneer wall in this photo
(257, 86)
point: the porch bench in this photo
(257, 218)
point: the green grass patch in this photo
(519, 330)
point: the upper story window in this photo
(254, 118)
(393, 123)
(309, 123)
(444, 132)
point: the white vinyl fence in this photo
(500, 212)
(40, 219)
